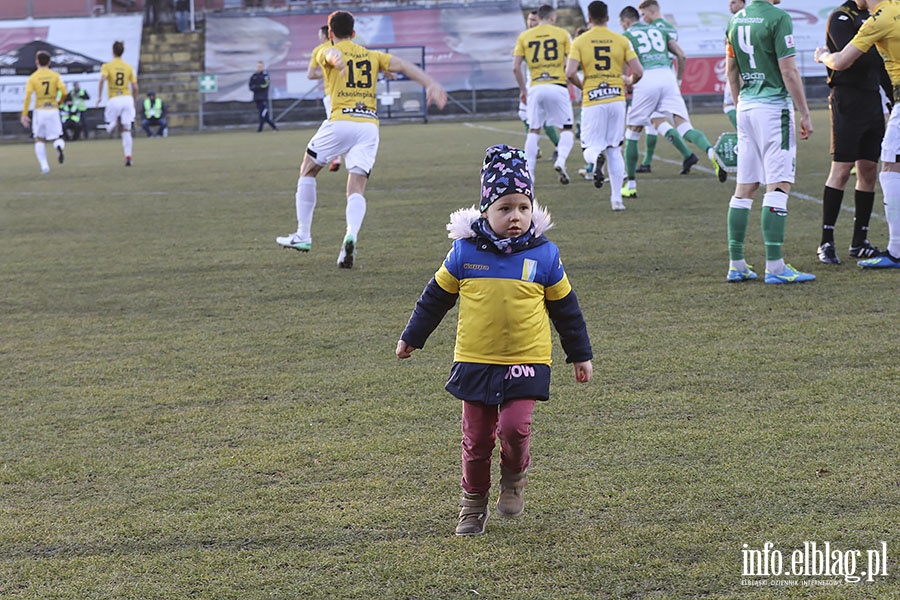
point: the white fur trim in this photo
(460, 225)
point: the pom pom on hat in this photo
(504, 172)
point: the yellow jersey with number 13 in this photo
(353, 87)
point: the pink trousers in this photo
(482, 424)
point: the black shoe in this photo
(127, 161)
(598, 170)
(643, 169)
(689, 162)
(60, 155)
(827, 254)
(864, 250)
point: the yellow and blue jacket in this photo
(507, 301)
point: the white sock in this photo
(59, 143)
(306, 203)
(564, 147)
(41, 152)
(615, 165)
(890, 185)
(356, 212)
(127, 143)
(531, 151)
(663, 128)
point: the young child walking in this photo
(509, 279)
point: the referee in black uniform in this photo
(857, 126)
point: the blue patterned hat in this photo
(504, 172)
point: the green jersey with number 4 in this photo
(757, 38)
(651, 45)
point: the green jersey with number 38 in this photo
(757, 38)
(651, 45)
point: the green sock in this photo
(696, 137)
(650, 149)
(631, 156)
(675, 138)
(732, 116)
(552, 133)
(774, 221)
(737, 231)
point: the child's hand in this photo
(583, 371)
(404, 350)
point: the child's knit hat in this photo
(504, 172)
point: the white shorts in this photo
(46, 124)
(358, 142)
(523, 112)
(549, 103)
(767, 144)
(890, 144)
(657, 92)
(119, 108)
(326, 100)
(603, 125)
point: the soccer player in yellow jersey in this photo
(544, 49)
(602, 55)
(123, 89)
(48, 89)
(882, 30)
(314, 71)
(351, 73)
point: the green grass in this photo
(191, 412)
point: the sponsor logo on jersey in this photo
(604, 91)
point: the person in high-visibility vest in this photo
(71, 119)
(155, 115)
(80, 98)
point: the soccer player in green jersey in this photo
(765, 82)
(656, 96)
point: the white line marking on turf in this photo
(794, 193)
(486, 128)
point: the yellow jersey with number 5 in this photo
(352, 88)
(119, 77)
(602, 54)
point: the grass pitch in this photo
(190, 411)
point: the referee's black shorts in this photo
(857, 124)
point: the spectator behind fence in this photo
(155, 111)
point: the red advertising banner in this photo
(704, 75)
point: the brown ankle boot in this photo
(474, 514)
(511, 502)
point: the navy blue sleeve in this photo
(430, 309)
(569, 322)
